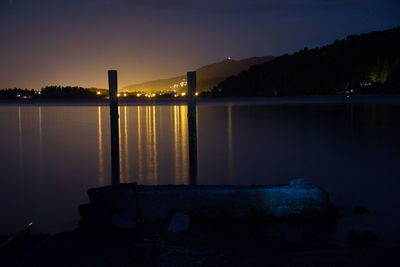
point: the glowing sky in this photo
(74, 42)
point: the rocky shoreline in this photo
(117, 234)
(202, 245)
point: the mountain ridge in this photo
(207, 76)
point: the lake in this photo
(52, 152)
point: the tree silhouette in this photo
(360, 64)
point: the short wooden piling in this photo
(114, 117)
(192, 125)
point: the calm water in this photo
(51, 154)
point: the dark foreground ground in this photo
(202, 245)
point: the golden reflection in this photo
(101, 164)
(230, 150)
(140, 160)
(120, 145)
(126, 155)
(148, 121)
(181, 144)
(148, 142)
(184, 144)
(151, 143)
(176, 153)
(154, 142)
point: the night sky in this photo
(74, 42)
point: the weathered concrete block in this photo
(152, 203)
(298, 182)
(121, 220)
(121, 197)
(176, 221)
(111, 206)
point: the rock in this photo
(365, 239)
(360, 210)
(176, 221)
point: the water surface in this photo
(50, 154)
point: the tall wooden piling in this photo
(114, 117)
(192, 123)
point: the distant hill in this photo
(207, 76)
(360, 64)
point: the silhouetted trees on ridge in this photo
(13, 93)
(67, 92)
(49, 92)
(360, 64)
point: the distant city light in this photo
(196, 94)
(124, 94)
(98, 93)
(183, 94)
(138, 95)
(118, 95)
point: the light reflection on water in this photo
(50, 155)
(101, 164)
(145, 122)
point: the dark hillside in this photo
(360, 64)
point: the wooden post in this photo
(192, 123)
(114, 117)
